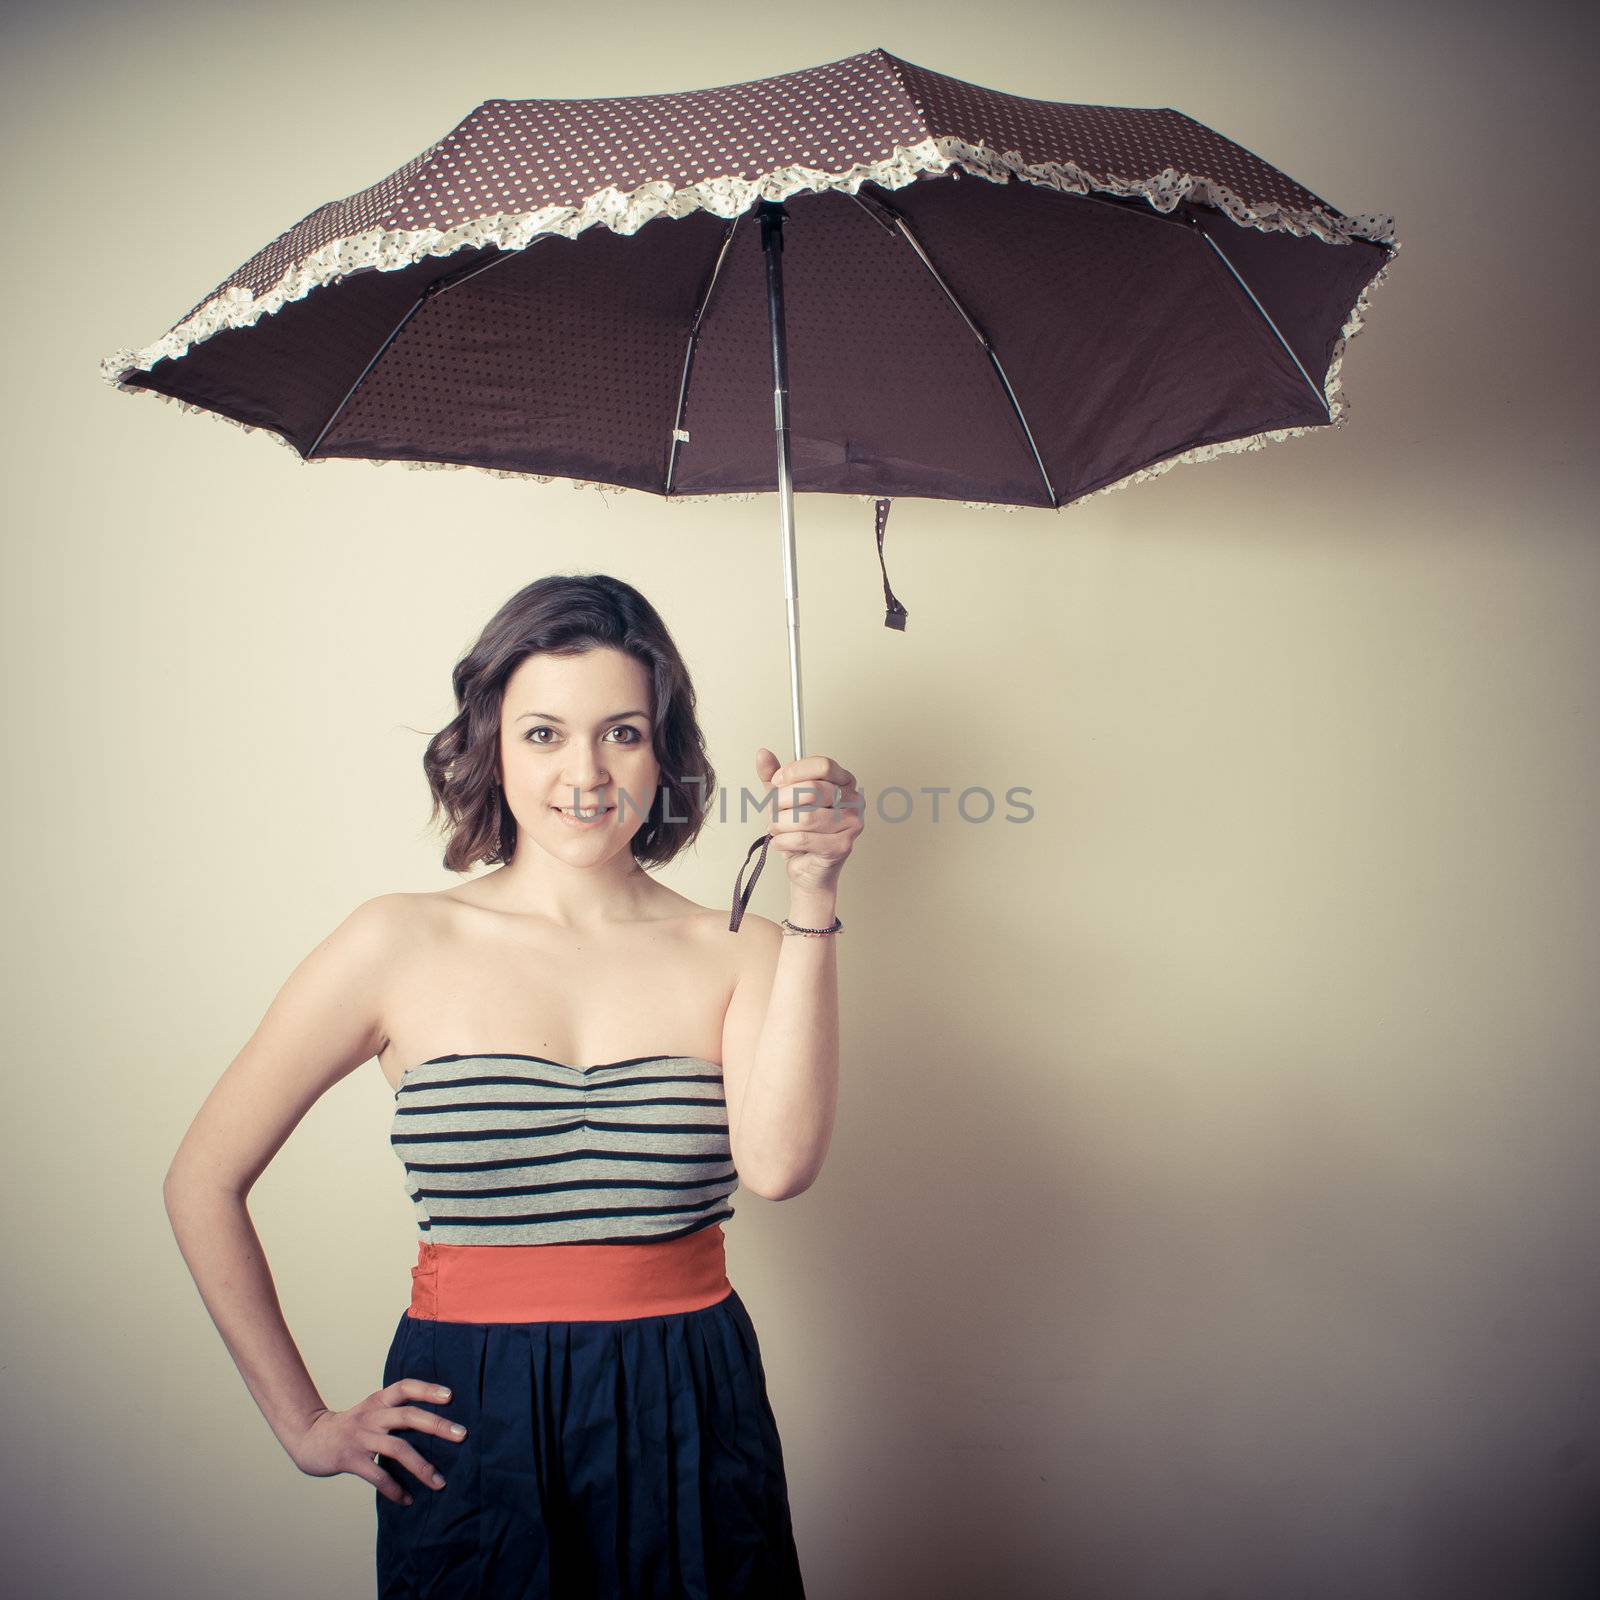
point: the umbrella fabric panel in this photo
(1123, 336)
(1120, 339)
(289, 372)
(1306, 287)
(530, 154)
(1108, 144)
(889, 392)
(515, 157)
(562, 359)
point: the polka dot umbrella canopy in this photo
(862, 278)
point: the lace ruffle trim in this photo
(389, 250)
(728, 197)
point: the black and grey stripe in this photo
(516, 1149)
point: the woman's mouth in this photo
(581, 819)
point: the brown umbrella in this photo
(837, 307)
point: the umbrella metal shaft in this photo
(772, 217)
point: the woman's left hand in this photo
(819, 812)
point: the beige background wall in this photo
(1212, 1212)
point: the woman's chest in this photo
(652, 990)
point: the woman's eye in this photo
(634, 736)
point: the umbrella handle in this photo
(772, 218)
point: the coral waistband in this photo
(569, 1282)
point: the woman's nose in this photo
(586, 770)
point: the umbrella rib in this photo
(977, 333)
(678, 435)
(1322, 399)
(438, 286)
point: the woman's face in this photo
(576, 732)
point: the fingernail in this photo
(438, 1482)
(406, 1501)
(444, 1394)
(457, 1429)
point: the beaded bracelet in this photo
(814, 933)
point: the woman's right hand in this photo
(350, 1441)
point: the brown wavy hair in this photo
(566, 616)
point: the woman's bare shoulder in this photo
(397, 917)
(751, 948)
(712, 921)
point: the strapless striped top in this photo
(515, 1149)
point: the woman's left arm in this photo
(781, 1033)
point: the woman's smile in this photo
(582, 819)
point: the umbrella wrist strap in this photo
(741, 898)
(894, 615)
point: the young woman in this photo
(586, 1065)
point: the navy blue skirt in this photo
(632, 1460)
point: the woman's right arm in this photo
(324, 1023)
